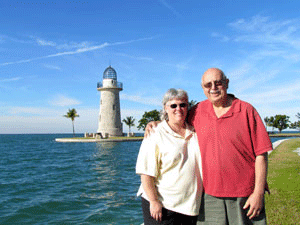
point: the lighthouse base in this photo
(112, 132)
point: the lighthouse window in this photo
(114, 107)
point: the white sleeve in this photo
(148, 158)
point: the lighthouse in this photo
(109, 122)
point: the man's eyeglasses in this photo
(181, 105)
(216, 82)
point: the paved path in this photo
(276, 143)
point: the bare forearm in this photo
(149, 187)
(261, 169)
(255, 200)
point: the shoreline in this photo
(124, 139)
(90, 140)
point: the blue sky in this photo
(53, 53)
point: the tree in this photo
(129, 121)
(72, 114)
(281, 122)
(296, 125)
(153, 115)
(192, 103)
(269, 121)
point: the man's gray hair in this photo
(223, 75)
(171, 94)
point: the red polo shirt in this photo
(229, 146)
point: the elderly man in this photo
(234, 144)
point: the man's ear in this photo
(227, 83)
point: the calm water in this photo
(46, 182)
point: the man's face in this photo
(214, 87)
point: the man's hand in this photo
(156, 210)
(255, 205)
(149, 128)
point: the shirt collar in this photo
(235, 108)
(188, 131)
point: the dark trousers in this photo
(168, 217)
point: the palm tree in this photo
(72, 114)
(129, 121)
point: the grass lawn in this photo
(283, 204)
(285, 135)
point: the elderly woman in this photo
(169, 164)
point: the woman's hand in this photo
(156, 210)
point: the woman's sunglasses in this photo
(181, 105)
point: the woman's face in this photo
(176, 110)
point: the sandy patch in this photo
(298, 151)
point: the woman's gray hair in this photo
(171, 94)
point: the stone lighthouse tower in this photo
(110, 113)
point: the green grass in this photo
(285, 135)
(283, 204)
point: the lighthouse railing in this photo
(118, 85)
(99, 85)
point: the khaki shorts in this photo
(225, 211)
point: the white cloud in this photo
(262, 30)
(140, 99)
(222, 37)
(45, 43)
(78, 51)
(51, 67)
(45, 120)
(29, 111)
(141, 58)
(255, 80)
(168, 6)
(71, 45)
(61, 100)
(11, 79)
(277, 94)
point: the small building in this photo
(109, 122)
